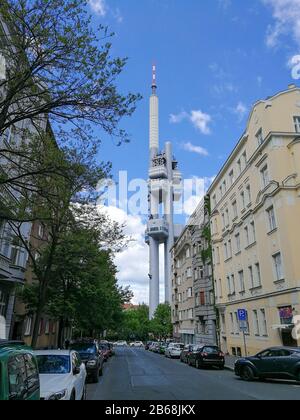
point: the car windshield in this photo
(54, 364)
(179, 346)
(84, 348)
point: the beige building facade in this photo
(183, 301)
(255, 205)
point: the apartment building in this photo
(255, 201)
(22, 320)
(183, 301)
(205, 312)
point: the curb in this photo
(230, 368)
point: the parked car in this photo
(121, 344)
(62, 375)
(91, 355)
(105, 350)
(203, 356)
(273, 363)
(186, 352)
(162, 348)
(156, 348)
(148, 345)
(138, 344)
(19, 376)
(153, 346)
(174, 350)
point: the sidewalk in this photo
(229, 362)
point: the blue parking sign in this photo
(242, 314)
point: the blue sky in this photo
(215, 59)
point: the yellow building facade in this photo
(255, 226)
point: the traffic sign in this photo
(242, 315)
(244, 326)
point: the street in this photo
(134, 374)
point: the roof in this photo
(52, 352)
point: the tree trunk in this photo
(60, 332)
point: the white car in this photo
(62, 375)
(121, 344)
(174, 350)
(137, 344)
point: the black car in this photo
(186, 352)
(204, 356)
(93, 358)
(273, 363)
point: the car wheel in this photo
(247, 374)
(73, 396)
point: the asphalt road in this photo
(134, 374)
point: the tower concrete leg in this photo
(154, 280)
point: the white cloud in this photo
(189, 147)
(199, 119)
(193, 197)
(240, 110)
(178, 118)
(98, 6)
(287, 20)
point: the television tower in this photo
(164, 189)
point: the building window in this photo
(227, 218)
(223, 220)
(231, 285)
(220, 288)
(188, 253)
(202, 298)
(264, 323)
(247, 236)
(239, 165)
(271, 219)
(236, 323)
(243, 201)
(214, 201)
(242, 281)
(226, 251)
(256, 323)
(251, 276)
(229, 249)
(232, 323)
(253, 232)
(235, 210)
(238, 243)
(244, 160)
(190, 292)
(28, 326)
(260, 137)
(189, 272)
(47, 327)
(297, 124)
(3, 303)
(257, 275)
(265, 176)
(286, 315)
(231, 177)
(277, 259)
(248, 193)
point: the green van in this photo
(19, 376)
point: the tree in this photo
(161, 325)
(59, 70)
(135, 324)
